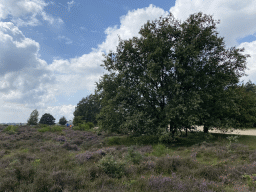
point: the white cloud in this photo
(24, 13)
(70, 4)
(237, 20)
(130, 26)
(250, 48)
(30, 82)
(236, 17)
(66, 39)
(23, 75)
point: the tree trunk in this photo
(186, 132)
(206, 128)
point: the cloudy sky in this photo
(51, 50)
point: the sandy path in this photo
(251, 132)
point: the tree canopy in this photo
(33, 119)
(87, 109)
(175, 73)
(47, 119)
(63, 120)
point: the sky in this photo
(51, 50)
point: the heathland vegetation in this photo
(58, 158)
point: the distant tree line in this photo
(47, 119)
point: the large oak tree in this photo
(175, 73)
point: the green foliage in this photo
(46, 128)
(114, 141)
(33, 120)
(63, 121)
(232, 139)
(249, 179)
(163, 78)
(11, 129)
(90, 124)
(134, 156)
(159, 150)
(47, 119)
(167, 138)
(244, 112)
(78, 120)
(84, 126)
(87, 109)
(111, 167)
(146, 139)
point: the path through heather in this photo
(251, 132)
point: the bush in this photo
(159, 150)
(167, 138)
(111, 167)
(11, 129)
(91, 125)
(134, 157)
(84, 126)
(50, 129)
(113, 141)
(146, 139)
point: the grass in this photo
(58, 158)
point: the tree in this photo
(87, 109)
(47, 119)
(78, 120)
(63, 121)
(250, 87)
(245, 99)
(33, 120)
(173, 74)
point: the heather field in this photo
(58, 158)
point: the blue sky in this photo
(51, 50)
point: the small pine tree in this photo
(63, 121)
(33, 120)
(47, 119)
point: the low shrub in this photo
(111, 167)
(84, 126)
(51, 129)
(167, 138)
(159, 150)
(133, 156)
(68, 146)
(146, 139)
(11, 129)
(114, 141)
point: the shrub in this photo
(94, 172)
(111, 167)
(84, 126)
(167, 138)
(70, 147)
(114, 141)
(159, 150)
(87, 156)
(146, 139)
(11, 129)
(50, 129)
(91, 125)
(134, 157)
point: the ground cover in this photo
(58, 158)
